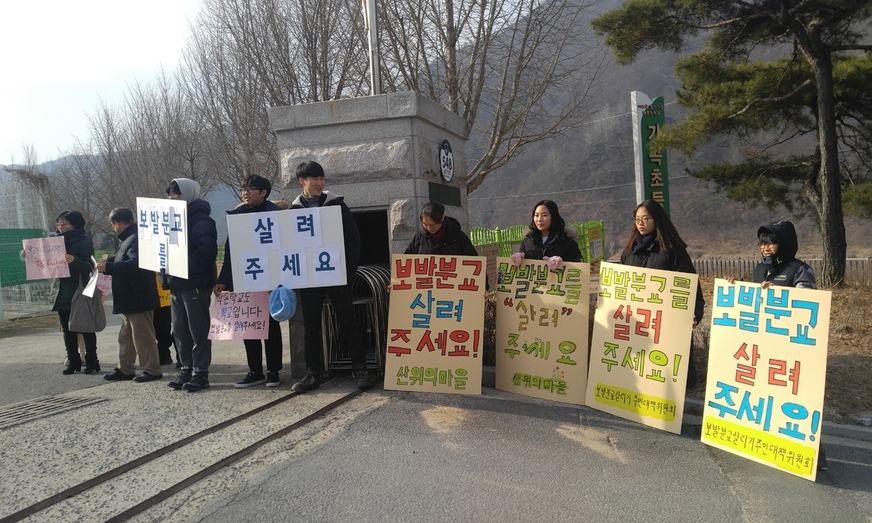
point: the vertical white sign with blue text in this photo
(162, 235)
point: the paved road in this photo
(386, 456)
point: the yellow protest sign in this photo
(766, 374)
(641, 344)
(541, 331)
(436, 324)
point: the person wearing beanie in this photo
(255, 191)
(71, 225)
(191, 297)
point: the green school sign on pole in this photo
(652, 175)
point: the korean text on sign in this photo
(240, 316)
(767, 366)
(162, 235)
(296, 248)
(45, 258)
(435, 325)
(641, 344)
(541, 329)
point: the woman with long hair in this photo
(654, 243)
(548, 238)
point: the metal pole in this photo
(370, 18)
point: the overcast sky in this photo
(59, 58)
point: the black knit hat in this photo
(258, 182)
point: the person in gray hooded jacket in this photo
(191, 297)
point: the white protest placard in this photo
(297, 248)
(162, 235)
(45, 258)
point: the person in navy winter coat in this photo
(191, 297)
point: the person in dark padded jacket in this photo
(191, 297)
(441, 234)
(134, 297)
(778, 245)
(548, 238)
(71, 225)
(310, 176)
(255, 191)
(654, 243)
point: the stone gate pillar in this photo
(392, 152)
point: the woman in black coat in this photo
(655, 244)
(548, 238)
(441, 234)
(71, 225)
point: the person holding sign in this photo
(548, 239)
(71, 225)
(134, 298)
(310, 176)
(654, 243)
(191, 297)
(441, 235)
(778, 245)
(255, 191)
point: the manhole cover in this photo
(25, 411)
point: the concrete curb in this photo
(694, 407)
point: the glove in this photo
(554, 262)
(517, 258)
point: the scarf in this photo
(645, 243)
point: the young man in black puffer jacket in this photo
(255, 191)
(310, 176)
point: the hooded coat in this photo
(202, 240)
(226, 276)
(560, 243)
(450, 240)
(783, 268)
(79, 246)
(133, 289)
(349, 228)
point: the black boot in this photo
(199, 381)
(183, 377)
(74, 362)
(92, 364)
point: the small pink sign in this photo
(45, 258)
(240, 316)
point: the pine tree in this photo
(791, 76)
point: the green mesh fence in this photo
(11, 264)
(591, 238)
